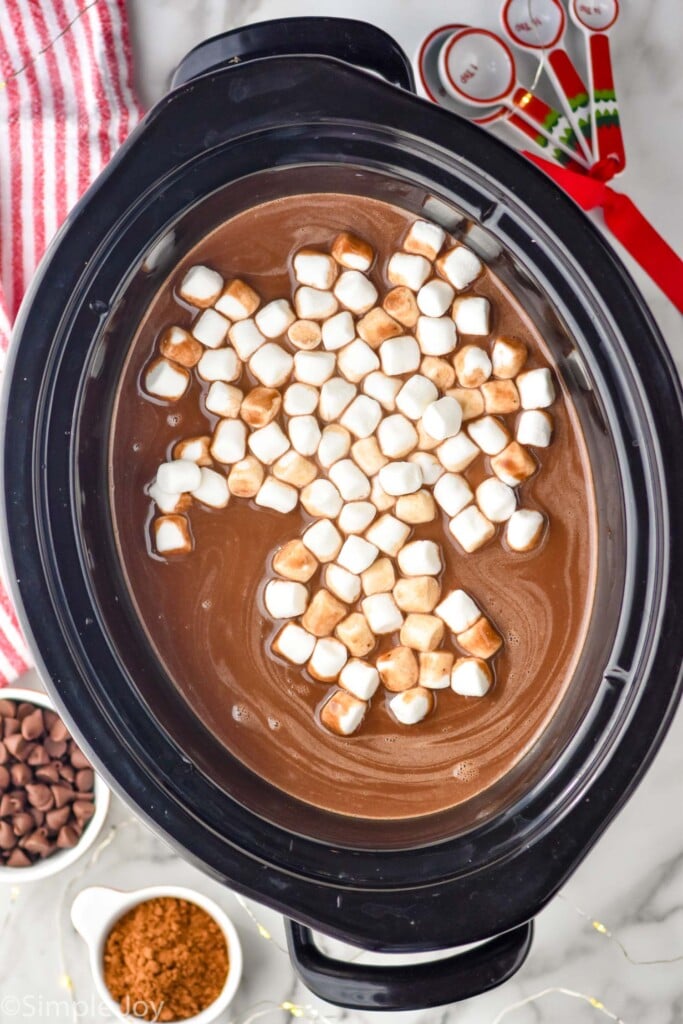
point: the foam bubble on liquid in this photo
(465, 771)
(239, 713)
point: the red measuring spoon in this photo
(595, 18)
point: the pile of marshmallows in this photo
(363, 424)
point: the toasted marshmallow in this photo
(295, 469)
(245, 477)
(382, 614)
(168, 503)
(435, 669)
(379, 578)
(315, 269)
(416, 395)
(496, 500)
(425, 441)
(338, 331)
(376, 326)
(355, 291)
(335, 395)
(213, 489)
(285, 599)
(219, 364)
(396, 436)
(458, 611)
(430, 466)
(383, 389)
(304, 433)
(224, 400)
(304, 334)
(350, 481)
(178, 476)
(460, 266)
(180, 347)
(356, 516)
(268, 443)
(245, 338)
(362, 416)
(300, 399)
(536, 389)
(472, 366)
(453, 493)
(416, 508)
(261, 406)
(328, 659)
(271, 365)
(324, 540)
(314, 367)
(238, 301)
(359, 678)
(434, 298)
(342, 713)
(165, 379)
(274, 318)
(400, 304)
(379, 497)
(294, 644)
(436, 335)
(389, 534)
(409, 271)
(442, 418)
(343, 584)
(500, 397)
(481, 639)
(357, 554)
(425, 239)
(535, 428)
(400, 478)
(514, 464)
(418, 594)
(489, 434)
(323, 613)
(472, 315)
(411, 706)
(439, 371)
(420, 558)
(470, 401)
(399, 355)
(471, 528)
(368, 455)
(334, 444)
(352, 252)
(508, 356)
(295, 562)
(277, 495)
(201, 286)
(422, 632)
(524, 529)
(172, 535)
(398, 667)
(357, 360)
(321, 498)
(210, 328)
(471, 677)
(356, 635)
(312, 304)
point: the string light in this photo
(603, 930)
(597, 1004)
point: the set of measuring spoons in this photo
(474, 71)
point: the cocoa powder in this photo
(166, 959)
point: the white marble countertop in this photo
(633, 879)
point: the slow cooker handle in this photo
(355, 42)
(409, 986)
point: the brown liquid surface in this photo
(204, 612)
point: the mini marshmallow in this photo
(168, 503)
(327, 661)
(436, 335)
(359, 678)
(312, 304)
(268, 443)
(489, 434)
(334, 444)
(500, 397)
(508, 356)
(458, 611)
(356, 635)
(165, 379)
(379, 578)
(172, 535)
(313, 268)
(481, 640)
(300, 399)
(376, 326)
(285, 599)
(367, 454)
(382, 614)
(425, 442)
(178, 476)
(400, 304)
(416, 508)
(535, 428)
(323, 613)
(210, 328)
(536, 389)
(335, 395)
(180, 347)
(219, 364)
(343, 584)
(355, 291)
(304, 433)
(323, 540)
(352, 252)
(524, 529)
(357, 554)
(433, 299)
(295, 562)
(419, 594)
(398, 667)
(425, 239)
(245, 477)
(430, 465)
(201, 286)
(379, 497)
(294, 644)
(460, 266)
(238, 301)
(356, 516)
(496, 500)
(245, 338)
(400, 478)
(399, 355)
(416, 395)
(411, 706)
(396, 436)
(383, 389)
(471, 677)
(435, 669)
(452, 493)
(304, 334)
(514, 465)
(274, 318)
(356, 361)
(421, 632)
(314, 367)
(442, 419)
(213, 489)
(223, 400)
(439, 371)
(471, 528)
(420, 558)
(321, 498)
(338, 331)
(408, 270)
(389, 534)
(342, 713)
(362, 416)
(295, 469)
(470, 401)
(472, 314)
(472, 366)
(350, 481)
(279, 496)
(271, 365)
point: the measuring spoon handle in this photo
(553, 124)
(605, 107)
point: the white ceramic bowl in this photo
(95, 911)
(62, 858)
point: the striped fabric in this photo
(66, 103)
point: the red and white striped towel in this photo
(66, 104)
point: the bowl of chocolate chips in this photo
(52, 803)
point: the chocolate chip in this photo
(59, 732)
(38, 755)
(67, 773)
(38, 842)
(21, 774)
(10, 726)
(12, 803)
(25, 709)
(7, 708)
(78, 758)
(40, 797)
(38, 817)
(32, 724)
(62, 795)
(83, 810)
(4, 754)
(85, 779)
(18, 859)
(18, 746)
(55, 748)
(57, 817)
(8, 840)
(68, 837)
(48, 772)
(22, 823)
(4, 778)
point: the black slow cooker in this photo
(284, 108)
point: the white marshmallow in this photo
(357, 360)
(471, 677)
(285, 599)
(436, 335)
(323, 540)
(362, 416)
(472, 314)
(178, 476)
(229, 443)
(355, 291)
(496, 500)
(400, 478)
(213, 489)
(334, 444)
(304, 433)
(383, 389)
(411, 706)
(420, 558)
(416, 395)
(238, 300)
(389, 534)
(471, 528)
(274, 318)
(458, 611)
(245, 338)
(350, 481)
(536, 389)
(172, 535)
(524, 529)
(409, 270)
(268, 443)
(300, 399)
(321, 498)
(343, 584)
(535, 428)
(201, 286)
(356, 516)
(460, 266)
(396, 436)
(399, 355)
(169, 503)
(457, 453)
(224, 400)
(219, 364)
(433, 299)
(452, 493)
(294, 644)
(328, 659)
(443, 418)
(508, 356)
(164, 379)
(425, 238)
(271, 365)
(210, 328)
(382, 613)
(489, 434)
(338, 331)
(316, 269)
(314, 367)
(430, 466)
(357, 554)
(359, 678)
(312, 304)
(277, 495)
(343, 713)
(335, 395)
